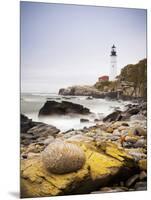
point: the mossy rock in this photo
(106, 86)
(100, 166)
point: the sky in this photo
(64, 45)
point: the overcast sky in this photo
(64, 45)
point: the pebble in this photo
(114, 137)
(115, 125)
(24, 156)
(113, 189)
(140, 143)
(125, 124)
(131, 139)
(109, 130)
(116, 132)
(122, 128)
(127, 144)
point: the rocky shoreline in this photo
(93, 92)
(108, 157)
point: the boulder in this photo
(61, 157)
(43, 130)
(26, 123)
(35, 132)
(63, 108)
(101, 167)
(38, 133)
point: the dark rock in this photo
(115, 116)
(24, 118)
(125, 124)
(43, 130)
(96, 120)
(35, 132)
(63, 108)
(84, 120)
(24, 156)
(132, 180)
(89, 98)
(111, 95)
(133, 111)
(127, 144)
(142, 185)
(26, 123)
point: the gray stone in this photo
(143, 175)
(142, 185)
(140, 143)
(132, 180)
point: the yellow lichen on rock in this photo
(100, 164)
(143, 164)
(112, 150)
(33, 182)
(37, 181)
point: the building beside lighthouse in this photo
(113, 64)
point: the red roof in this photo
(104, 77)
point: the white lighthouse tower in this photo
(113, 68)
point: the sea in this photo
(32, 102)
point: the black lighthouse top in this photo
(113, 51)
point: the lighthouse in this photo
(113, 67)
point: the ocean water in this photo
(31, 104)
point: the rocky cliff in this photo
(132, 81)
